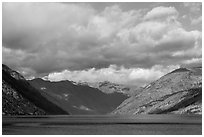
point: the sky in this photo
(125, 43)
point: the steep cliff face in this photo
(179, 92)
(20, 98)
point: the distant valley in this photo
(79, 98)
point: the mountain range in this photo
(38, 96)
(79, 99)
(178, 92)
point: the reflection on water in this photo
(100, 124)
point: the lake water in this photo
(102, 125)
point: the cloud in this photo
(161, 12)
(195, 13)
(196, 21)
(30, 25)
(195, 7)
(193, 61)
(158, 44)
(43, 38)
(131, 76)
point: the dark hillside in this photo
(79, 99)
(21, 86)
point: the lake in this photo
(102, 125)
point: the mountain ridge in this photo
(110, 87)
(168, 94)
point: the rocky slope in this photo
(14, 103)
(20, 98)
(79, 99)
(179, 92)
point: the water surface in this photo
(103, 125)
